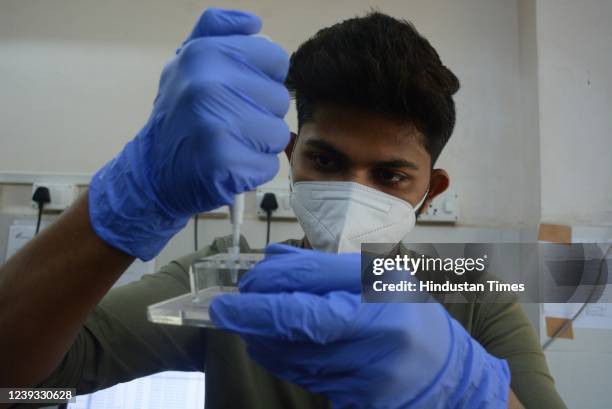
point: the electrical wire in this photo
(569, 322)
(269, 222)
(40, 212)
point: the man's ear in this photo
(290, 145)
(438, 183)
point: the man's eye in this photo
(390, 177)
(324, 162)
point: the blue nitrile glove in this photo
(301, 316)
(215, 130)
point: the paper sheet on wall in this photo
(595, 315)
(22, 231)
(598, 316)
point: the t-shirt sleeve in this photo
(506, 332)
(117, 343)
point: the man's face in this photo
(344, 144)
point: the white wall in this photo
(575, 94)
(78, 79)
(529, 112)
(575, 101)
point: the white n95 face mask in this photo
(338, 216)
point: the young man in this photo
(375, 109)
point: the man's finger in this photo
(220, 22)
(267, 56)
(279, 248)
(303, 271)
(290, 317)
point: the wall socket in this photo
(284, 210)
(443, 209)
(62, 195)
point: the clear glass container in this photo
(208, 278)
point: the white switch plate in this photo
(20, 232)
(443, 209)
(284, 210)
(62, 195)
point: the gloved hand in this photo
(301, 316)
(215, 130)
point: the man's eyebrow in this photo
(328, 147)
(397, 163)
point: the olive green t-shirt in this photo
(117, 344)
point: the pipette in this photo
(236, 211)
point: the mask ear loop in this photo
(418, 206)
(291, 166)
(290, 179)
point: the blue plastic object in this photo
(301, 316)
(215, 131)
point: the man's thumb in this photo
(219, 22)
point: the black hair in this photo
(380, 64)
